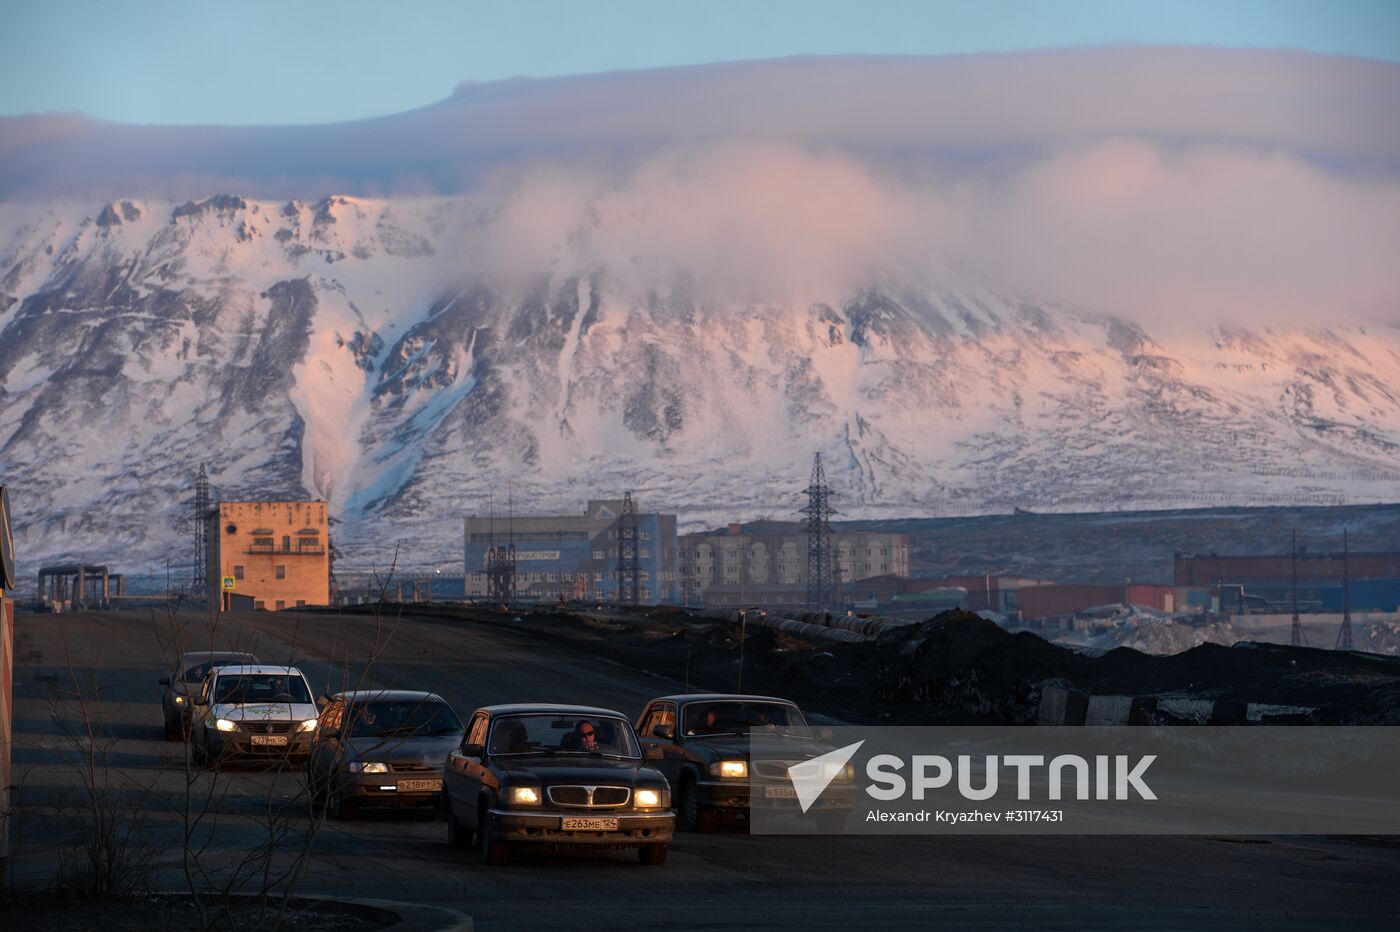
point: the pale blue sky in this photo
(200, 61)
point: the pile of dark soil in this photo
(958, 668)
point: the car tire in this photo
(652, 855)
(690, 816)
(457, 834)
(345, 810)
(494, 851)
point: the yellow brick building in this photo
(276, 553)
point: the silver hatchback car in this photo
(381, 748)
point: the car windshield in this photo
(243, 688)
(403, 718)
(562, 733)
(199, 671)
(735, 718)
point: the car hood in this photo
(549, 771)
(265, 712)
(431, 752)
(736, 748)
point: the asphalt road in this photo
(726, 881)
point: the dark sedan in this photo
(700, 742)
(184, 682)
(550, 774)
(380, 748)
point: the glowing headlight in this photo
(358, 767)
(308, 725)
(179, 700)
(224, 724)
(737, 769)
(648, 798)
(524, 796)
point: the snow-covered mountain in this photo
(967, 283)
(312, 350)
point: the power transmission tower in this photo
(199, 581)
(1344, 634)
(820, 580)
(629, 572)
(500, 561)
(1298, 638)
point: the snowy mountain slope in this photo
(334, 349)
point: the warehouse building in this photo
(733, 567)
(268, 555)
(574, 556)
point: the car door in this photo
(660, 714)
(461, 774)
(327, 742)
(200, 701)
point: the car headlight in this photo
(736, 769)
(224, 724)
(524, 796)
(179, 700)
(648, 799)
(308, 725)
(362, 767)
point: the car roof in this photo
(547, 708)
(720, 697)
(256, 668)
(195, 656)
(388, 695)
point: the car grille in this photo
(267, 728)
(589, 797)
(411, 766)
(771, 769)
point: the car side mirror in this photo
(652, 753)
(164, 681)
(322, 702)
(823, 733)
(473, 750)
(664, 732)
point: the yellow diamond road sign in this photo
(228, 583)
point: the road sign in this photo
(228, 583)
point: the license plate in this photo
(779, 792)
(589, 825)
(420, 786)
(270, 740)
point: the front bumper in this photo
(736, 796)
(240, 744)
(407, 788)
(633, 828)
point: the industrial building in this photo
(574, 556)
(1266, 584)
(732, 567)
(268, 555)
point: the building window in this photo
(238, 572)
(281, 605)
(300, 602)
(259, 605)
(645, 552)
(644, 535)
(262, 542)
(280, 572)
(286, 542)
(597, 553)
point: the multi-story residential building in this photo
(724, 568)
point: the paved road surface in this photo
(723, 881)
